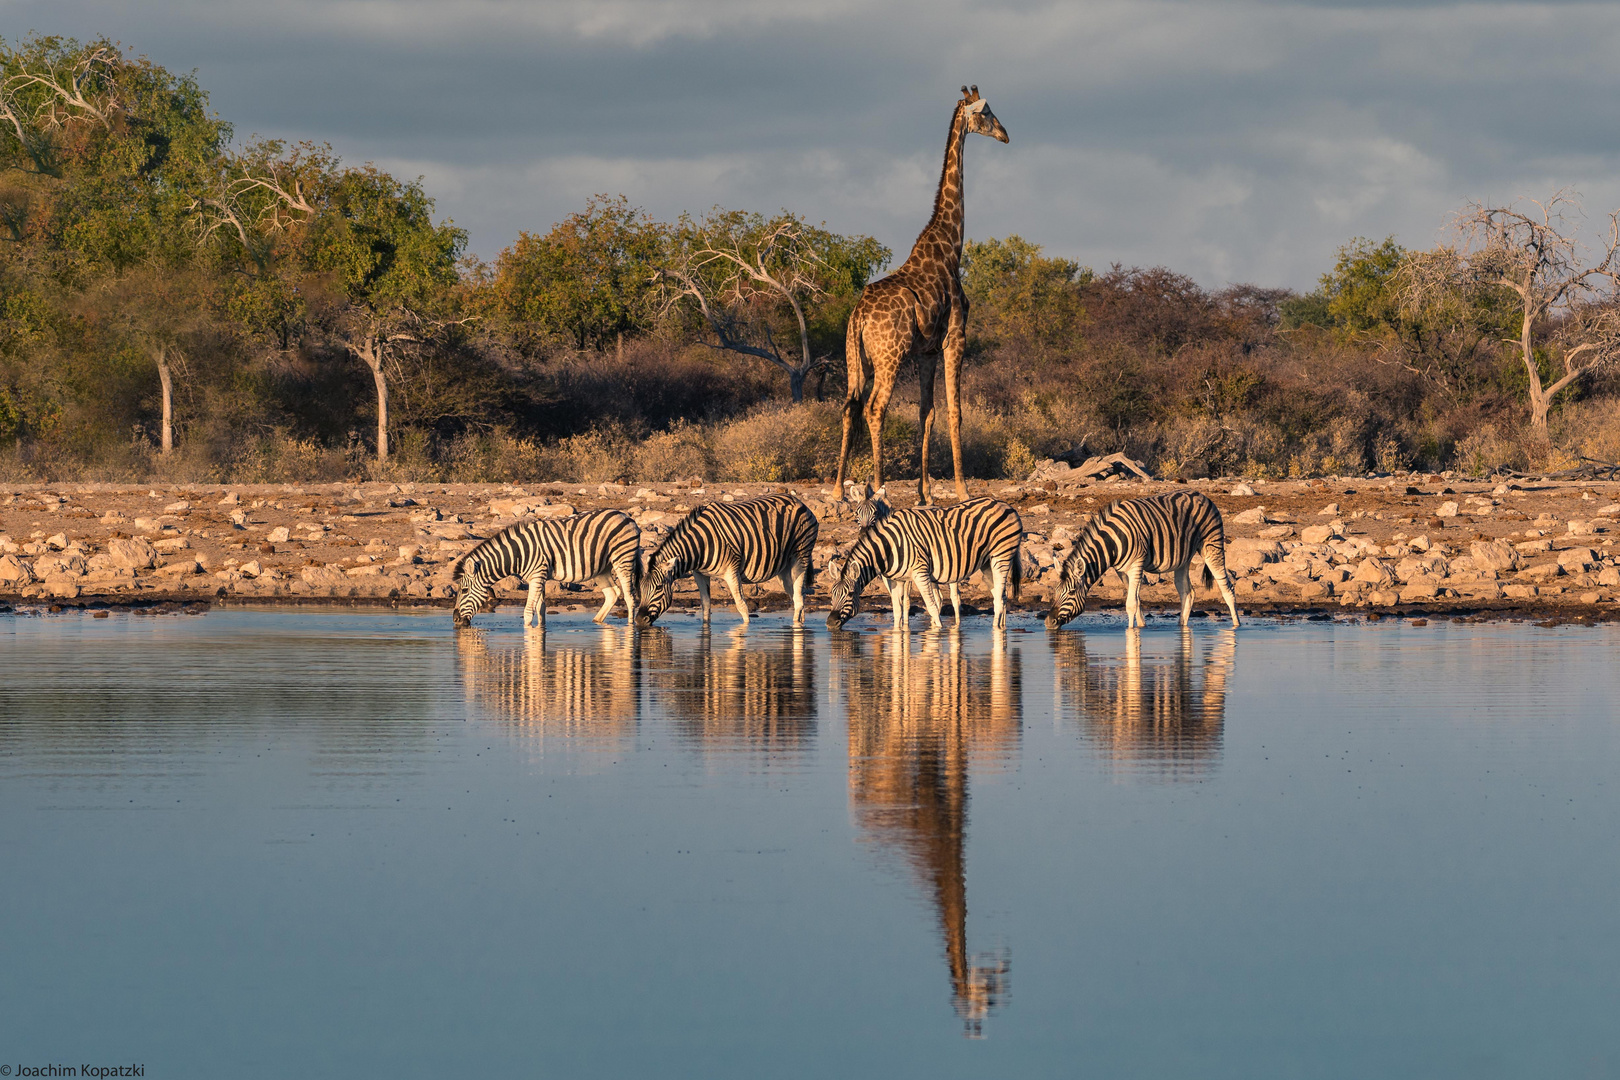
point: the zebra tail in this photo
(1208, 581)
(1017, 572)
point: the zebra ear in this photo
(470, 567)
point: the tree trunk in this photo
(168, 402)
(796, 385)
(382, 410)
(1538, 396)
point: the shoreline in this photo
(1410, 545)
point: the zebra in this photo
(871, 506)
(742, 542)
(1154, 535)
(601, 547)
(927, 545)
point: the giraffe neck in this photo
(948, 222)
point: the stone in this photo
(1330, 510)
(239, 517)
(1277, 531)
(1610, 510)
(449, 530)
(1253, 516)
(1242, 489)
(251, 569)
(231, 499)
(177, 508)
(63, 589)
(1494, 555)
(132, 554)
(279, 535)
(515, 508)
(1532, 547)
(1610, 575)
(172, 544)
(1383, 598)
(410, 553)
(57, 542)
(116, 517)
(1582, 528)
(1314, 590)
(1592, 597)
(14, 572)
(1374, 572)
(323, 576)
(1318, 534)
(55, 567)
(1541, 571)
(1577, 559)
(180, 568)
(557, 510)
(1519, 592)
(1447, 509)
(364, 571)
(1420, 590)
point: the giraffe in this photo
(919, 310)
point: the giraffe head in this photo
(980, 120)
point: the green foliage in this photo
(586, 281)
(1016, 293)
(376, 237)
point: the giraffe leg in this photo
(925, 418)
(955, 347)
(855, 364)
(877, 407)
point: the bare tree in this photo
(380, 339)
(1565, 307)
(735, 268)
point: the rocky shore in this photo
(1409, 543)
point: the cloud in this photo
(1229, 139)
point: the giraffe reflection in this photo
(1154, 717)
(745, 692)
(584, 688)
(918, 719)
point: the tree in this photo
(1018, 293)
(743, 272)
(157, 309)
(1528, 260)
(376, 239)
(588, 280)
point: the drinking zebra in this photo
(871, 506)
(601, 548)
(927, 546)
(1153, 535)
(743, 542)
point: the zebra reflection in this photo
(583, 688)
(1164, 717)
(918, 720)
(738, 693)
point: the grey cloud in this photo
(1233, 141)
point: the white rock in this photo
(134, 554)
(14, 572)
(180, 568)
(251, 569)
(1448, 509)
(1243, 489)
(1494, 555)
(59, 541)
(279, 535)
(177, 508)
(1253, 516)
(231, 499)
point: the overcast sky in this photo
(1238, 141)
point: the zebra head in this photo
(869, 505)
(1074, 581)
(850, 573)
(472, 592)
(657, 591)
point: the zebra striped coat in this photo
(743, 542)
(927, 546)
(602, 548)
(1155, 535)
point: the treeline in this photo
(176, 305)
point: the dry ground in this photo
(1410, 543)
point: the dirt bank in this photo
(1411, 544)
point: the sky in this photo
(1232, 141)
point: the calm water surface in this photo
(292, 843)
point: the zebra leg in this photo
(999, 574)
(1133, 596)
(610, 596)
(956, 601)
(793, 585)
(1216, 568)
(701, 580)
(631, 600)
(929, 591)
(534, 611)
(899, 600)
(1184, 590)
(734, 582)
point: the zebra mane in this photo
(455, 567)
(678, 532)
(1091, 537)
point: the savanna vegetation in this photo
(176, 304)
